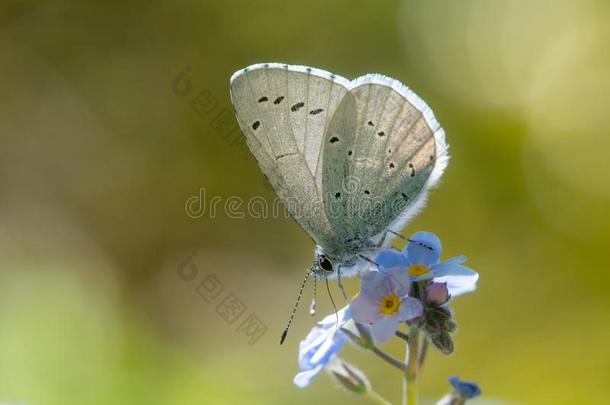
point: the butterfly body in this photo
(351, 160)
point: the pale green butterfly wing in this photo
(284, 112)
(383, 151)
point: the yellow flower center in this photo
(389, 304)
(417, 269)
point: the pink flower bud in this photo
(437, 293)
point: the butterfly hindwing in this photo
(388, 151)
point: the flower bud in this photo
(437, 293)
(440, 313)
(359, 334)
(348, 376)
(433, 327)
(451, 399)
(450, 325)
(443, 342)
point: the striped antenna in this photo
(296, 305)
(422, 244)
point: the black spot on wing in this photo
(337, 195)
(297, 106)
(412, 169)
(381, 133)
(391, 165)
(284, 155)
(255, 125)
(316, 111)
(262, 99)
(370, 123)
(278, 100)
(334, 139)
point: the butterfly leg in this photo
(381, 242)
(395, 234)
(385, 235)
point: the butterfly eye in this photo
(325, 264)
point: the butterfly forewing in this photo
(283, 112)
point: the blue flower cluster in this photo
(412, 285)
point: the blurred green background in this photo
(99, 156)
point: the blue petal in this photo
(373, 285)
(327, 349)
(466, 389)
(311, 356)
(409, 308)
(383, 329)
(401, 282)
(423, 248)
(458, 284)
(448, 267)
(344, 315)
(303, 378)
(322, 341)
(365, 310)
(386, 259)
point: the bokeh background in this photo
(100, 152)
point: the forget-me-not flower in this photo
(420, 261)
(383, 301)
(320, 346)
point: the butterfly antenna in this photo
(332, 301)
(396, 234)
(421, 244)
(369, 260)
(296, 305)
(312, 307)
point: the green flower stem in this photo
(422, 354)
(402, 335)
(369, 345)
(409, 386)
(376, 398)
(389, 359)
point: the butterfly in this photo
(352, 161)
